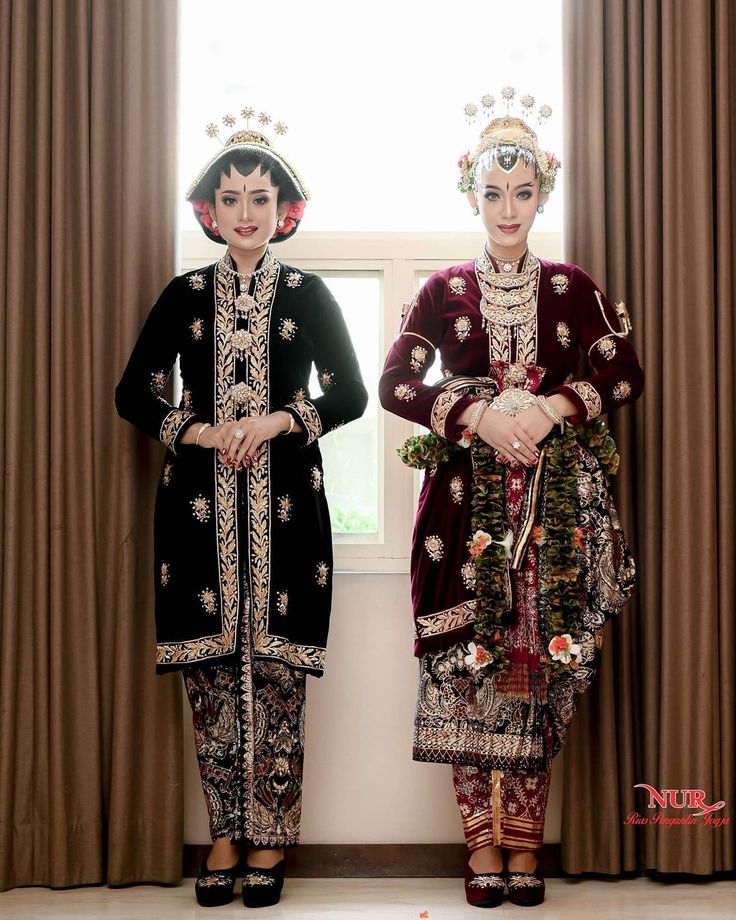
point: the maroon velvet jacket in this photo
(573, 320)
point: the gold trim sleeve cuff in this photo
(308, 418)
(172, 425)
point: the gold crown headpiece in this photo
(506, 139)
(249, 138)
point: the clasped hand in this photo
(240, 451)
(527, 429)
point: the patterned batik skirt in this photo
(501, 732)
(249, 734)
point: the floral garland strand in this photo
(560, 597)
(490, 550)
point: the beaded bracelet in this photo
(551, 412)
(477, 415)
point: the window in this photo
(376, 126)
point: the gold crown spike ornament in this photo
(506, 139)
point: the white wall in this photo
(361, 785)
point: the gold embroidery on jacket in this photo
(404, 392)
(309, 417)
(258, 485)
(622, 390)
(171, 425)
(442, 405)
(589, 395)
(434, 624)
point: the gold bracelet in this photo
(551, 413)
(201, 429)
(477, 415)
(291, 424)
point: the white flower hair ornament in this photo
(506, 140)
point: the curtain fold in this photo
(90, 738)
(650, 143)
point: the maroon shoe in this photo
(525, 888)
(484, 889)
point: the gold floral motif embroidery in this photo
(326, 379)
(258, 878)
(285, 508)
(323, 570)
(209, 600)
(309, 416)
(404, 392)
(560, 283)
(435, 548)
(186, 399)
(563, 334)
(241, 341)
(158, 381)
(316, 476)
(434, 624)
(440, 410)
(622, 390)
(418, 357)
(166, 475)
(607, 347)
(299, 394)
(201, 508)
(463, 327)
(171, 425)
(457, 285)
(197, 329)
(282, 601)
(293, 279)
(287, 328)
(214, 880)
(589, 395)
(467, 573)
(196, 282)
(165, 573)
(456, 489)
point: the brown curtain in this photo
(650, 96)
(90, 738)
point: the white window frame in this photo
(400, 258)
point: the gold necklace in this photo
(507, 265)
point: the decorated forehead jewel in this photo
(506, 139)
(243, 140)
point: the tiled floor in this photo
(409, 899)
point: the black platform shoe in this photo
(525, 888)
(262, 887)
(483, 889)
(215, 887)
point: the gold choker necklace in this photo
(507, 265)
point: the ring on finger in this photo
(516, 445)
(239, 434)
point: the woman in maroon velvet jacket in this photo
(509, 621)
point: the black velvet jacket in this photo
(259, 537)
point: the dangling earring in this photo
(476, 211)
(540, 209)
(280, 224)
(214, 225)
